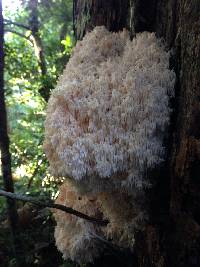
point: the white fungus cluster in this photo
(110, 109)
(83, 241)
(104, 129)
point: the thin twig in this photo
(36, 168)
(33, 176)
(19, 34)
(9, 22)
(49, 204)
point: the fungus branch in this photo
(49, 204)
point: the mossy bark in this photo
(172, 236)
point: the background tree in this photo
(23, 82)
(172, 236)
(5, 151)
(26, 113)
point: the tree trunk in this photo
(172, 236)
(5, 153)
(38, 47)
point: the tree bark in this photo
(91, 13)
(172, 235)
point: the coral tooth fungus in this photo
(105, 125)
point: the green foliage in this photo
(68, 44)
(23, 84)
(57, 26)
(26, 112)
(25, 106)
